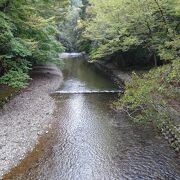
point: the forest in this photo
(89, 89)
(28, 36)
(147, 31)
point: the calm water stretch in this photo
(92, 142)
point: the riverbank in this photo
(27, 116)
(170, 130)
(117, 75)
(91, 141)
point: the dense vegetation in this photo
(148, 29)
(28, 31)
(31, 32)
(69, 31)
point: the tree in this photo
(146, 26)
(28, 36)
(122, 25)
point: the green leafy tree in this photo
(28, 31)
(151, 27)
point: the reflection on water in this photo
(93, 142)
(79, 75)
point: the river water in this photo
(93, 142)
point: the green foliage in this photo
(28, 31)
(16, 73)
(15, 79)
(19, 47)
(22, 64)
(122, 25)
(146, 98)
(6, 28)
(69, 32)
(150, 27)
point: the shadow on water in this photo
(91, 141)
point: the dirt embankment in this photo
(27, 116)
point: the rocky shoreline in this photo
(27, 116)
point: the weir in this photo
(92, 141)
(88, 92)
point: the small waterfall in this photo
(88, 91)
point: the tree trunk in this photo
(155, 60)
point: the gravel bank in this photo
(27, 116)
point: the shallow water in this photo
(91, 141)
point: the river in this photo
(93, 142)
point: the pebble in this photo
(26, 118)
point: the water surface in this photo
(93, 142)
